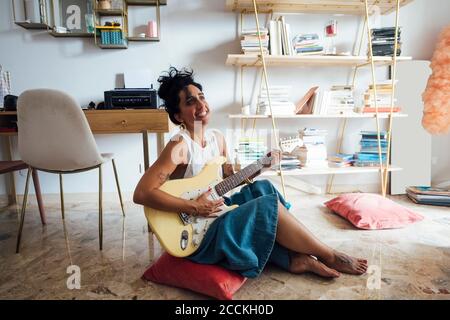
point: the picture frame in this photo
(72, 14)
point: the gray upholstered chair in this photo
(54, 136)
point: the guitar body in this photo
(181, 234)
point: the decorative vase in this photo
(104, 4)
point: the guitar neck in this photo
(236, 179)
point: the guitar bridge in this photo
(185, 218)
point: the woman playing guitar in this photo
(261, 229)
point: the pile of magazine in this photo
(429, 195)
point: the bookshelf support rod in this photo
(393, 76)
(338, 150)
(359, 51)
(263, 60)
(242, 76)
(375, 97)
(261, 75)
(261, 82)
(344, 122)
(243, 120)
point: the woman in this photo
(261, 229)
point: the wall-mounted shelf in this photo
(71, 34)
(153, 3)
(113, 46)
(33, 25)
(248, 60)
(146, 2)
(143, 39)
(351, 7)
(49, 22)
(27, 18)
(110, 12)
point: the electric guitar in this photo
(180, 233)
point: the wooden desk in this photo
(105, 122)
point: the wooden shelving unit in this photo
(318, 116)
(326, 171)
(352, 7)
(247, 60)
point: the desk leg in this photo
(10, 181)
(145, 142)
(146, 160)
(161, 142)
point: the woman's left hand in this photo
(276, 157)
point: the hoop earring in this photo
(182, 126)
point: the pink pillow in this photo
(372, 211)
(211, 280)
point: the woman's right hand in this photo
(205, 207)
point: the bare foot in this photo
(301, 263)
(344, 263)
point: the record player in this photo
(131, 98)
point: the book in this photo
(383, 109)
(425, 190)
(305, 105)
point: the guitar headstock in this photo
(288, 145)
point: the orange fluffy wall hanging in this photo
(436, 98)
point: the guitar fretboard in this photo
(236, 179)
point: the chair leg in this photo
(22, 214)
(61, 193)
(37, 188)
(118, 186)
(100, 207)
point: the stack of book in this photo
(280, 100)
(280, 37)
(250, 150)
(250, 41)
(384, 94)
(288, 163)
(313, 153)
(368, 156)
(341, 160)
(307, 44)
(383, 42)
(429, 195)
(340, 100)
(112, 37)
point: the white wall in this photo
(198, 34)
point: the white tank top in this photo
(197, 155)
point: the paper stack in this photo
(313, 153)
(250, 41)
(280, 100)
(307, 44)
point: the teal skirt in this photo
(243, 240)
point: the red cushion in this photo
(211, 280)
(372, 211)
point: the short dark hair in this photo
(170, 87)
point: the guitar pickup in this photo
(185, 218)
